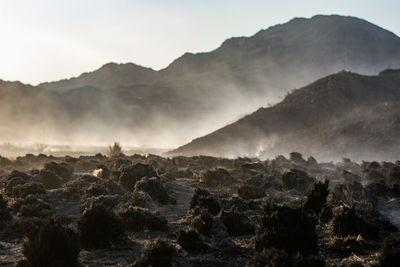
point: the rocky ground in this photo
(197, 211)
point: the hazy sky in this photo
(43, 40)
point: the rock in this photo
(155, 189)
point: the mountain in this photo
(341, 115)
(199, 93)
(108, 76)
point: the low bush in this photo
(288, 229)
(390, 253)
(316, 198)
(99, 227)
(49, 244)
(157, 254)
(191, 241)
(237, 224)
(139, 219)
(204, 200)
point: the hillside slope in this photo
(344, 114)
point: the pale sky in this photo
(45, 40)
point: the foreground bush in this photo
(99, 227)
(346, 222)
(157, 254)
(4, 213)
(203, 200)
(287, 229)
(390, 254)
(191, 241)
(154, 187)
(50, 244)
(237, 224)
(316, 198)
(279, 258)
(250, 192)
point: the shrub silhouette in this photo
(157, 254)
(139, 219)
(50, 244)
(203, 199)
(250, 192)
(114, 150)
(346, 222)
(99, 227)
(5, 215)
(190, 240)
(316, 197)
(237, 224)
(288, 229)
(390, 253)
(278, 258)
(203, 222)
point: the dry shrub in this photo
(50, 244)
(114, 150)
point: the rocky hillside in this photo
(344, 114)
